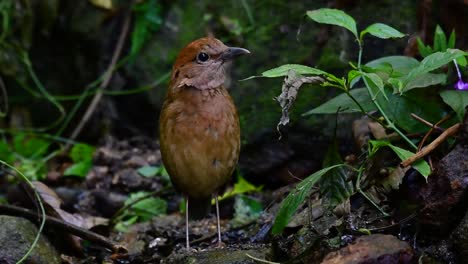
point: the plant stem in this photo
(374, 100)
(41, 207)
(358, 187)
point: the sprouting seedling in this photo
(460, 85)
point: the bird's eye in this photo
(202, 57)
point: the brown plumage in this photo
(199, 125)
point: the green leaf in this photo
(82, 152)
(345, 104)
(147, 20)
(423, 49)
(400, 64)
(334, 17)
(382, 31)
(240, 187)
(123, 226)
(353, 77)
(30, 147)
(375, 80)
(396, 83)
(461, 61)
(284, 69)
(421, 165)
(451, 41)
(440, 40)
(146, 208)
(457, 100)
(418, 101)
(425, 80)
(296, 197)
(149, 171)
(435, 61)
(80, 169)
(5, 153)
(33, 169)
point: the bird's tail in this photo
(199, 207)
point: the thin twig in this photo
(431, 130)
(68, 227)
(106, 80)
(427, 123)
(429, 148)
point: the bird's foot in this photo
(191, 250)
(220, 244)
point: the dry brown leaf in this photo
(292, 84)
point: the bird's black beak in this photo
(233, 52)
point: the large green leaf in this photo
(435, 61)
(457, 100)
(423, 80)
(284, 69)
(334, 17)
(418, 101)
(382, 31)
(401, 64)
(296, 197)
(345, 104)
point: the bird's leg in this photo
(187, 223)
(220, 243)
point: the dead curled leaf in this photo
(52, 203)
(292, 84)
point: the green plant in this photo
(440, 43)
(147, 20)
(394, 86)
(140, 207)
(82, 156)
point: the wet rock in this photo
(441, 252)
(221, 256)
(16, 237)
(446, 191)
(460, 238)
(372, 249)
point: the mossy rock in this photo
(16, 236)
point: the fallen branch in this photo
(67, 227)
(434, 144)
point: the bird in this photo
(199, 126)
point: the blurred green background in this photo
(69, 44)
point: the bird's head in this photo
(201, 64)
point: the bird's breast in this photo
(200, 139)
